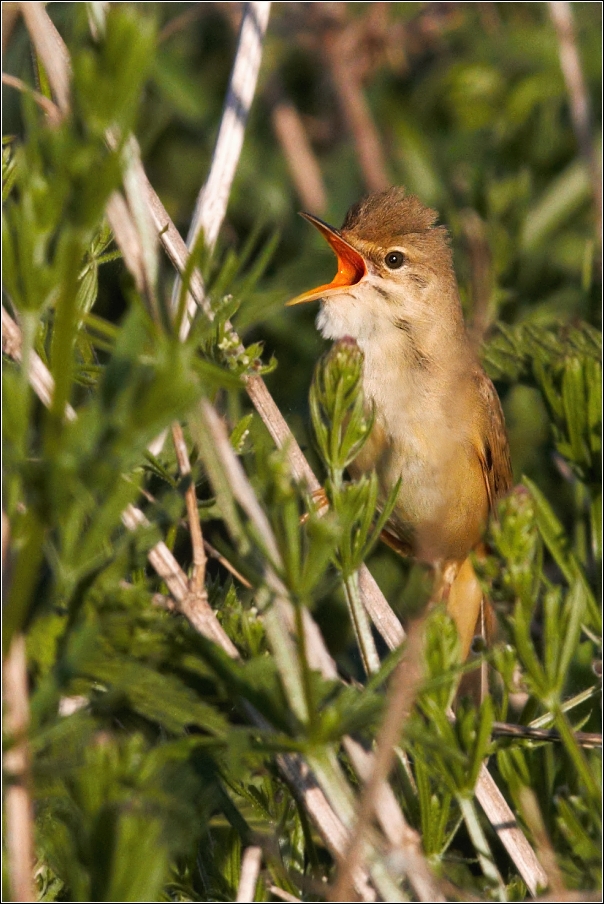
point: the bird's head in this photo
(394, 268)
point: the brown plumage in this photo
(438, 421)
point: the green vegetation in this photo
(158, 757)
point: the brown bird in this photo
(438, 420)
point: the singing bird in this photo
(438, 425)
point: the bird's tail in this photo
(474, 616)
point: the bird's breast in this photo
(422, 436)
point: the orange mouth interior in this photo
(351, 266)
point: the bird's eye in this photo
(394, 259)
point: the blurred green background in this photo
(463, 103)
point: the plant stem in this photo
(361, 623)
(481, 845)
(575, 752)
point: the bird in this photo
(438, 421)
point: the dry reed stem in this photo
(131, 222)
(39, 376)
(51, 49)
(10, 14)
(188, 17)
(588, 739)
(250, 870)
(570, 63)
(214, 554)
(406, 852)
(127, 238)
(534, 819)
(504, 823)
(340, 45)
(199, 555)
(481, 275)
(19, 831)
(402, 691)
(52, 111)
(282, 894)
(301, 161)
(212, 200)
(192, 604)
(332, 829)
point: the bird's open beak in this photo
(351, 265)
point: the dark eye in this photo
(394, 259)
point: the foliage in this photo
(156, 757)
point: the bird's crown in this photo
(387, 216)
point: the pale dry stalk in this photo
(570, 63)
(199, 555)
(402, 691)
(250, 870)
(340, 46)
(10, 14)
(301, 161)
(282, 894)
(17, 798)
(53, 113)
(534, 819)
(213, 198)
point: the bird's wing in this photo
(492, 445)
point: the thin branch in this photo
(301, 161)
(534, 819)
(52, 111)
(508, 729)
(282, 894)
(214, 554)
(39, 376)
(213, 198)
(406, 856)
(332, 829)
(10, 14)
(403, 688)
(481, 275)
(199, 555)
(19, 809)
(193, 605)
(129, 219)
(127, 238)
(183, 20)
(509, 833)
(340, 50)
(570, 63)
(250, 870)
(51, 49)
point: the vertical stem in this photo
(213, 198)
(570, 63)
(481, 845)
(303, 657)
(361, 624)
(575, 752)
(19, 810)
(250, 869)
(199, 555)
